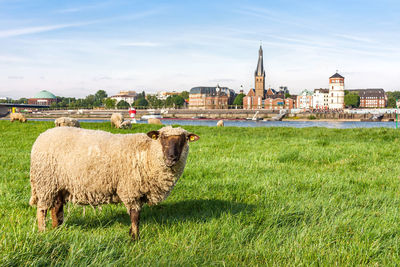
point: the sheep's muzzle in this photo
(172, 147)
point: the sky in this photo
(74, 48)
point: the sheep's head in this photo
(173, 142)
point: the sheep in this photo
(116, 120)
(126, 125)
(66, 121)
(17, 117)
(93, 167)
(154, 121)
(220, 123)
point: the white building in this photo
(305, 100)
(336, 91)
(321, 98)
(163, 95)
(128, 96)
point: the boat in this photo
(374, 118)
(151, 116)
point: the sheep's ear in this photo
(153, 135)
(192, 137)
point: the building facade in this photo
(44, 98)
(371, 98)
(128, 96)
(321, 99)
(211, 97)
(305, 100)
(255, 97)
(336, 92)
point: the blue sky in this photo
(74, 48)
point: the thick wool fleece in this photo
(116, 120)
(17, 117)
(66, 121)
(92, 167)
(154, 121)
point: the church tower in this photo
(259, 75)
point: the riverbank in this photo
(228, 114)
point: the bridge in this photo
(4, 107)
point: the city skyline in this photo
(74, 48)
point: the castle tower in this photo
(336, 91)
(259, 75)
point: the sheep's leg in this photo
(41, 218)
(57, 212)
(135, 218)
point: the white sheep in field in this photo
(92, 167)
(154, 121)
(220, 123)
(17, 117)
(116, 120)
(126, 125)
(66, 121)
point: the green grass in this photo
(248, 196)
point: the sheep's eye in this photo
(154, 136)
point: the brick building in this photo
(211, 97)
(44, 98)
(371, 98)
(259, 98)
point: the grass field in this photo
(248, 196)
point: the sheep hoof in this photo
(134, 235)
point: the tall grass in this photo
(248, 196)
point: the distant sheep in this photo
(66, 121)
(154, 121)
(93, 167)
(220, 123)
(116, 120)
(126, 125)
(17, 117)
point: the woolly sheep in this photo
(66, 121)
(93, 167)
(116, 120)
(17, 117)
(220, 123)
(126, 125)
(154, 121)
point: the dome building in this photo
(44, 98)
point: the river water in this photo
(245, 123)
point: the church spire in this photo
(260, 65)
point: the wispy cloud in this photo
(15, 77)
(355, 38)
(38, 29)
(141, 44)
(82, 8)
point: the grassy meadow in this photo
(248, 196)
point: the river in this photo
(245, 123)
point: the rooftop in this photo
(45, 94)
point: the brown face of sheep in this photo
(172, 145)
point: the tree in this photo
(287, 95)
(123, 105)
(185, 95)
(100, 95)
(175, 101)
(109, 103)
(392, 97)
(154, 102)
(352, 100)
(141, 102)
(239, 100)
